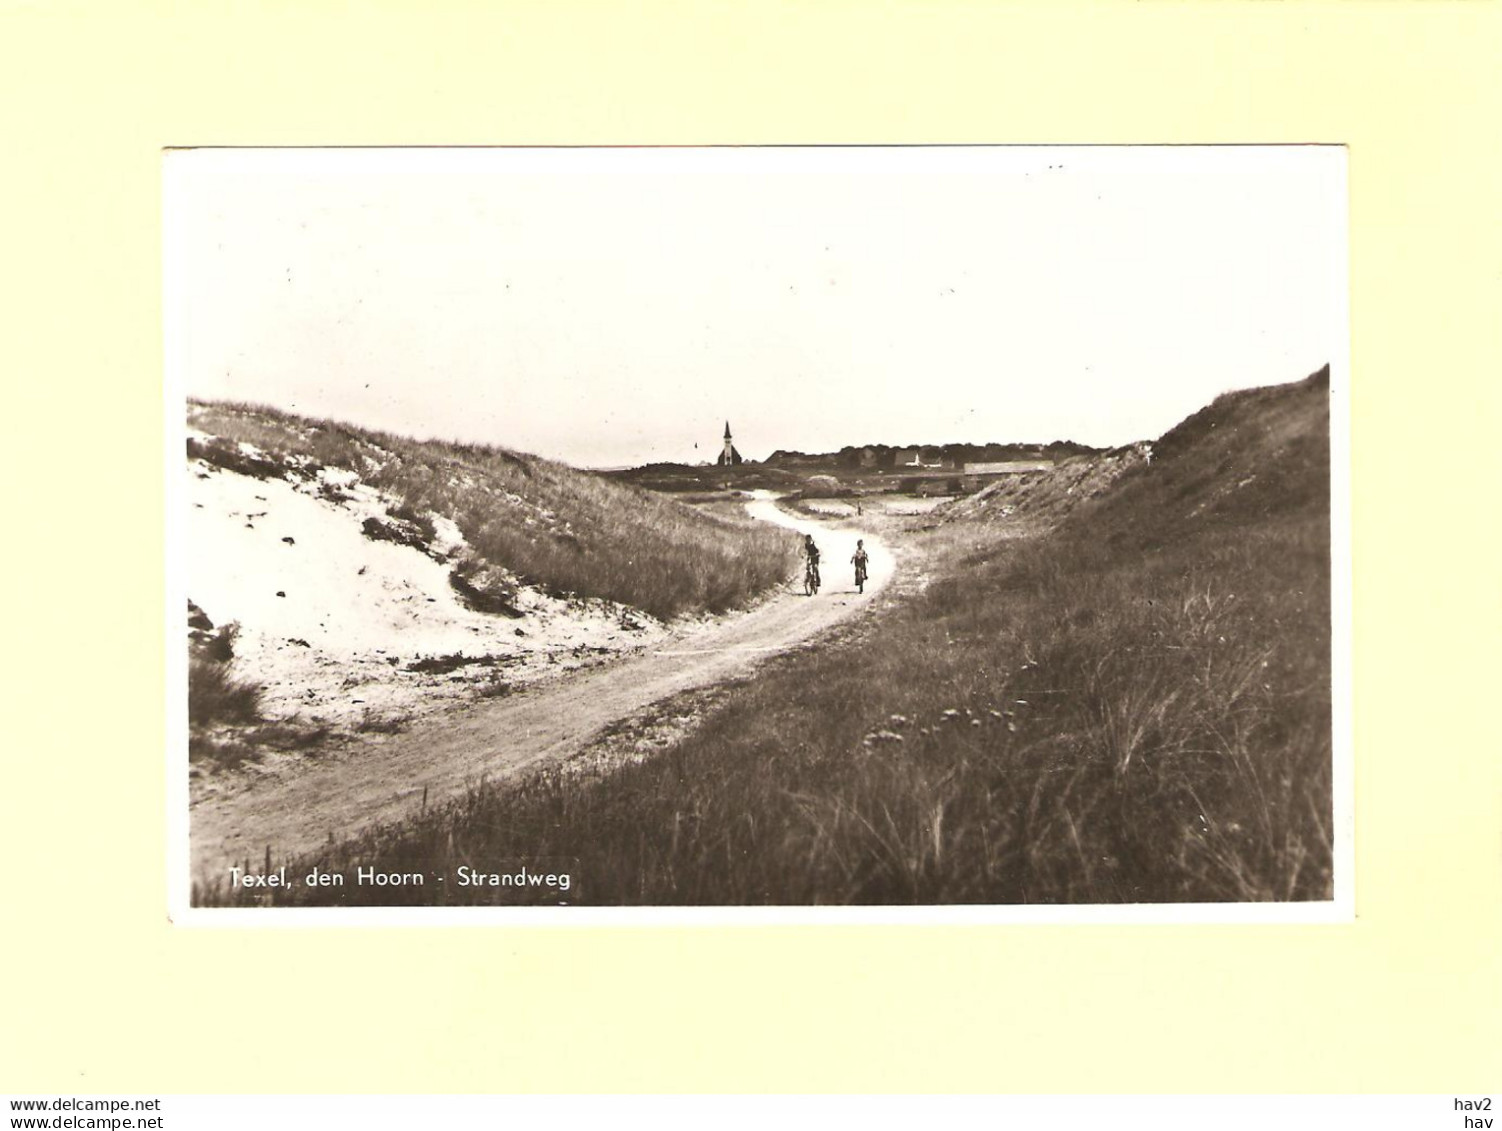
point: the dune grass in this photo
(566, 531)
(226, 727)
(1038, 726)
(216, 698)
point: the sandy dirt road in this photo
(296, 810)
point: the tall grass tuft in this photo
(217, 698)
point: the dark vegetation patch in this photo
(485, 588)
(379, 724)
(225, 454)
(440, 665)
(333, 493)
(215, 697)
(885, 456)
(230, 748)
(681, 479)
(198, 619)
(400, 531)
(494, 688)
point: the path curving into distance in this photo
(295, 811)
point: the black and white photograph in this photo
(888, 527)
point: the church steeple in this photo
(729, 457)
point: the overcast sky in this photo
(608, 307)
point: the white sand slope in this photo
(330, 620)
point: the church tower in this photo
(729, 457)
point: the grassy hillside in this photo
(1132, 707)
(1039, 502)
(1251, 456)
(524, 519)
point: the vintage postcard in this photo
(759, 534)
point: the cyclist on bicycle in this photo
(861, 560)
(811, 552)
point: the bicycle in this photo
(860, 561)
(810, 579)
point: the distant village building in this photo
(729, 457)
(907, 457)
(978, 475)
(1009, 467)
